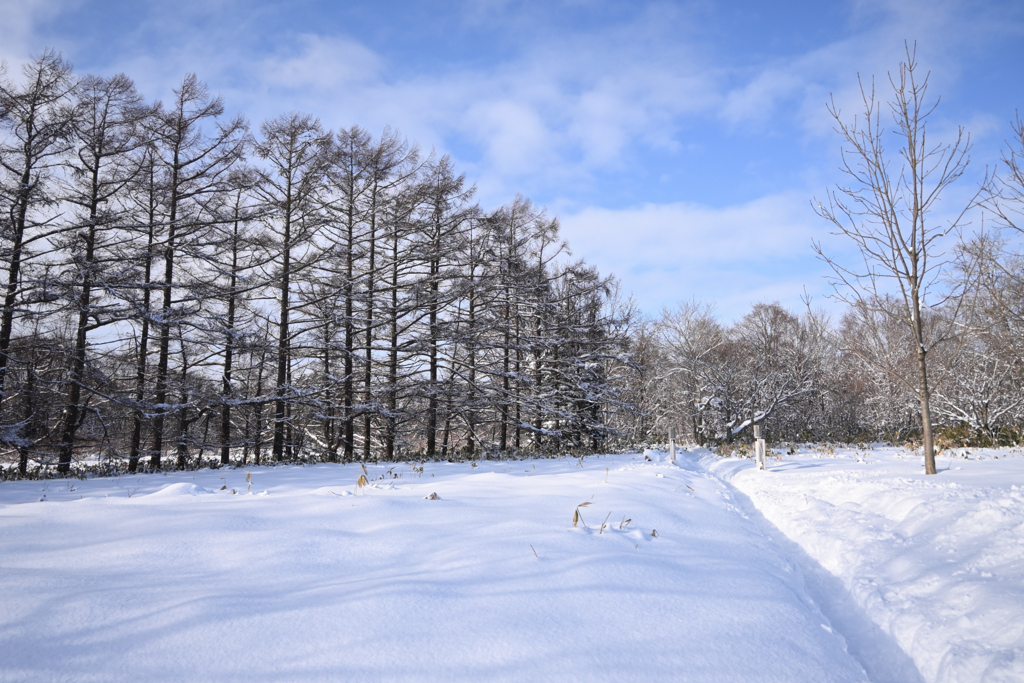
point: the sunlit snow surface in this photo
(904, 564)
(308, 578)
(304, 576)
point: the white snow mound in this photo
(655, 456)
(180, 489)
(331, 491)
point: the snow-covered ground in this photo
(843, 568)
(310, 578)
(933, 565)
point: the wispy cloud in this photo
(18, 27)
(733, 255)
(325, 64)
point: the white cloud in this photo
(551, 114)
(18, 28)
(735, 255)
(323, 63)
(755, 101)
(513, 133)
(872, 45)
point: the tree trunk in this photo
(432, 381)
(390, 424)
(282, 340)
(368, 360)
(165, 326)
(927, 441)
(29, 415)
(229, 346)
(73, 408)
(143, 350)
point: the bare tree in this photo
(692, 341)
(1005, 197)
(993, 261)
(294, 150)
(448, 215)
(145, 196)
(105, 133)
(779, 363)
(885, 209)
(391, 163)
(240, 254)
(37, 117)
(195, 166)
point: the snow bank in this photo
(937, 562)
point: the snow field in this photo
(308, 577)
(936, 563)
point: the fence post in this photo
(760, 452)
(672, 443)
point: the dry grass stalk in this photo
(577, 517)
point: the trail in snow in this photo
(173, 578)
(934, 565)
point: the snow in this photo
(933, 564)
(172, 577)
(179, 489)
(836, 565)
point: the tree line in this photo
(177, 287)
(806, 377)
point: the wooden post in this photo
(760, 452)
(672, 443)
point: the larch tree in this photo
(106, 133)
(446, 216)
(391, 164)
(295, 151)
(145, 201)
(352, 181)
(194, 164)
(240, 253)
(36, 116)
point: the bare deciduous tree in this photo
(886, 210)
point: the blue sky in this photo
(680, 143)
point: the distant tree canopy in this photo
(797, 376)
